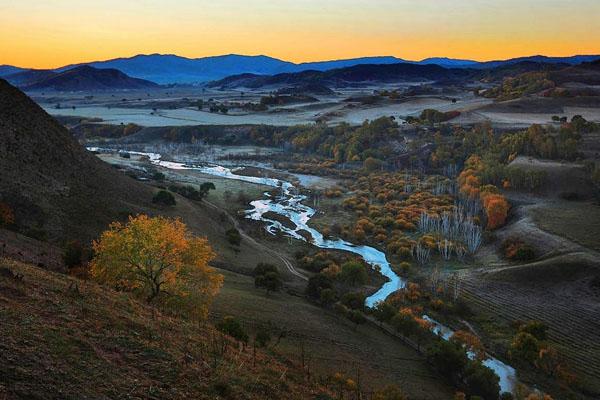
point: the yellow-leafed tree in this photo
(159, 260)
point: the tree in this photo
(496, 209)
(316, 284)
(354, 273)
(470, 342)
(537, 329)
(233, 236)
(267, 276)
(205, 188)
(525, 346)
(372, 164)
(448, 358)
(384, 311)
(164, 197)
(159, 260)
(481, 381)
(405, 323)
(232, 327)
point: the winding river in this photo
(289, 204)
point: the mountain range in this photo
(169, 68)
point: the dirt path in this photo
(290, 267)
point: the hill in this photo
(571, 60)
(57, 189)
(585, 73)
(347, 76)
(29, 76)
(65, 338)
(498, 73)
(9, 69)
(85, 78)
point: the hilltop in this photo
(86, 78)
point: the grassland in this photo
(574, 220)
(331, 343)
(65, 338)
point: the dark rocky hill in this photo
(57, 189)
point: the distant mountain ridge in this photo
(170, 68)
(357, 74)
(368, 74)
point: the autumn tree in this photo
(159, 260)
(496, 208)
(470, 342)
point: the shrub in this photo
(232, 327)
(164, 197)
(328, 297)
(517, 250)
(7, 217)
(537, 329)
(356, 317)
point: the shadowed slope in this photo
(53, 184)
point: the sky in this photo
(53, 33)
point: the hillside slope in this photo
(65, 338)
(56, 188)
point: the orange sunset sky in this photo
(52, 33)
